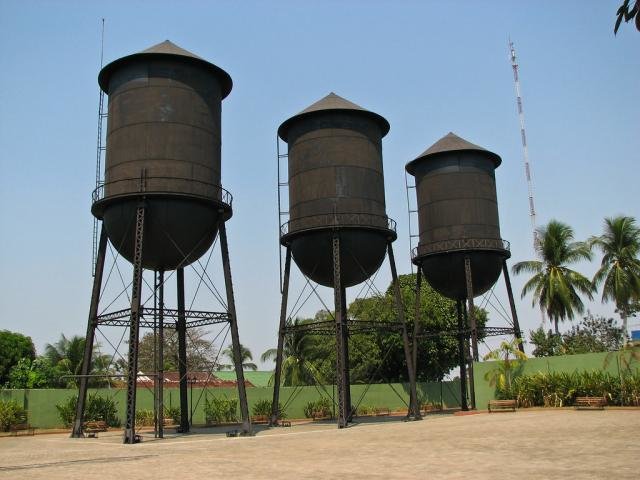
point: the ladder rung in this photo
(411, 186)
(413, 211)
(283, 155)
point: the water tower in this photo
(460, 251)
(338, 232)
(161, 202)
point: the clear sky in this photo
(428, 67)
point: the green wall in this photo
(43, 413)
(563, 363)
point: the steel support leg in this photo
(341, 365)
(416, 320)
(414, 410)
(160, 369)
(181, 329)
(90, 336)
(471, 309)
(345, 348)
(472, 387)
(462, 357)
(134, 326)
(275, 412)
(517, 333)
(235, 338)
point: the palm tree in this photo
(66, 353)
(507, 368)
(619, 271)
(555, 287)
(245, 356)
(298, 365)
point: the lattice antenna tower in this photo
(525, 150)
(100, 150)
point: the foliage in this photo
(38, 373)
(201, 354)
(304, 356)
(619, 271)
(509, 365)
(553, 389)
(96, 408)
(245, 355)
(320, 408)
(220, 410)
(11, 413)
(173, 413)
(554, 286)
(383, 351)
(627, 13)
(13, 347)
(263, 408)
(592, 334)
(145, 418)
(547, 344)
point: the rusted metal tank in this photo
(336, 184)
(163, 147)
(458, 216)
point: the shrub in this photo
(365, 410)
(144, 418)
(10, 414)
(320, 408)
(219, 410)
(263, 408)
(554, 389)
(96, 408)
(173, 413)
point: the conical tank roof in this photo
(451, 143)
(332, 103)
(163, 50)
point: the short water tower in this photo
(460, 251)
(338, 231)
(161, 203)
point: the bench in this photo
(91, 429)
(590, 403)
(320, 415)
(21, 427)
(501, 405)
(259, 419)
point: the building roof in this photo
(451, 143)
(332, 103)
(163, 50)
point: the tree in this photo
(593, 334)
(66, 354)
(300, 356)
(546, 343)
(554, 286)
(245, 356)
(509, 365)
(438, 346)
(13, 347)
(37, 373)
(627, 13)
(619, 271)
(201, 353)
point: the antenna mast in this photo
(527, 166)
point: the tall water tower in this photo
(338, 232)
(460, 251)
(161, 203)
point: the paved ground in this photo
(564, 444)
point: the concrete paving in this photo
(528, 444)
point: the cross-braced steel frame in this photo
(137, 316)
(467, 330)
(342, 328)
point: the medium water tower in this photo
(338, 232)
(161, 202)
(460, 251)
